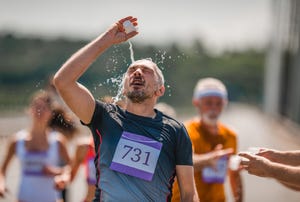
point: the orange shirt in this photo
(204, 142)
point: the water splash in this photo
(38, 84)
(131, 52)
(162, 57)
(120, 83)
(114, 83)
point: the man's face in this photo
(210, 108)
(140, 82)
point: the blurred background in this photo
(252, 46)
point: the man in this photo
(138, 150)
(280, 165)
(212, 144)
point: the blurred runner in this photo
(212, 144)
(39, 149)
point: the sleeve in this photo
(96, 122)
(183, 148)
(232, 142)
(96, 118)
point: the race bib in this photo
(34, 163)
(218, 175)
(136, 156)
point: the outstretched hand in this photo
(271, 154)
(255, 165)
(116, 33)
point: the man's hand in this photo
(210, 158)
(51, 170)
(271, 154)
(255, 165)
(61, 181)
(116, 33)
(216, 154)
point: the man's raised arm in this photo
(76, 96)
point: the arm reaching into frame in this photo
(77, 97)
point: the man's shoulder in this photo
(105, 108)
(102, 111)
(168, 120)
(105, 105)
(227, 130)
(192, 126)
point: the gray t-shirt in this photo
(136, 156)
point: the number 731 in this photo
(136, 154)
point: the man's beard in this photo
(136, 96)
(210, 118)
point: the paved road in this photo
(254, 129)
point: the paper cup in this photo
(253, 150)
(128, 26)
(234, 162)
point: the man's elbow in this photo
(58, 81)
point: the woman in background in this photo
(40, 149)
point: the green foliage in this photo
(28, 63)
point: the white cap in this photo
(210, 87)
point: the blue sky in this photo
(219, 23)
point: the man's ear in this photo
(160, 91)
(225, 103)
(195, 102)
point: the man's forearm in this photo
(290, 158)
(284, 173)
(187, 187)
(190, 198)
(201, 160)
(78, 63)
(293, 187)
(236, 185)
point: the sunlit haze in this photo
(220, 24)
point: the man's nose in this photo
(214, 107)
(137, 72)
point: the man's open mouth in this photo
(137, 82)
